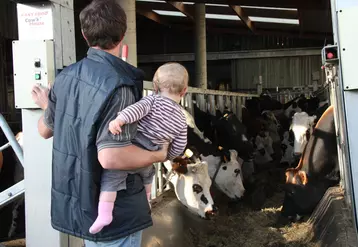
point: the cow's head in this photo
(292, 109)
(296, 177)
(192, 186)
(301, 127)
(229, 178)
(264, 149)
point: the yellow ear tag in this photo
(188, 153)
(220, 148)
(226, 115)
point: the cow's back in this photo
(320, 155)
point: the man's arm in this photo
(117, 151)
(46, 100)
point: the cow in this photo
(287, 150)
(303, 124)
(301, 127)
(225, 166)
(226, 130)
(227, 176)
(316, 171)
(264, 149)
(192, 184)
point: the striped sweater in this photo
(161, 120)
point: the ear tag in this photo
(188, 153)
(220, 148)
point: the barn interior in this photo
(273, 43)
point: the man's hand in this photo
(40, 96)
(162, 154)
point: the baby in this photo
(160, 121)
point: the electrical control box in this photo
(34, 63)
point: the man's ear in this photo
(84, 36)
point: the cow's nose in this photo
(211, 213)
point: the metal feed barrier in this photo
(15, 191)
(205, 100)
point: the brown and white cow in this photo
(316, 171)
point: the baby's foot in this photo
(104, 218)
(100, 222)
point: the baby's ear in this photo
(184, 91)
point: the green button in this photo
(37, 76)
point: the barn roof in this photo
(286, 17)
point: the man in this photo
(84, 98)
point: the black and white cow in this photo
(192, 178)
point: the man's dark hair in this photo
(103, 23)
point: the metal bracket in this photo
(12, 193)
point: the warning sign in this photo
(35, 21)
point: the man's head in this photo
(171, 77)
(103, 24)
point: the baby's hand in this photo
(115, 126)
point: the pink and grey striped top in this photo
(161, 120)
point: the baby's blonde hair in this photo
(171, 76)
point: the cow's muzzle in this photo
(211, 213)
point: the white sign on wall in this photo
(35, 22)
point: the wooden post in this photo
(220, 102)
(200, 98)
(234, 106)
(259, 86)
(211, 104)
(228, 103)
(239, 108)
(189, 103)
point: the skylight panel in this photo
(151, 1)
(268, 8)
(222, 17)
(274, 20)
(169, 13)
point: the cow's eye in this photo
(197, 188)
(237, 171)
(224, 168)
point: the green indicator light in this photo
(37, 76)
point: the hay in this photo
(247, 228)
(14, 243)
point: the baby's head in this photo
(171, 78)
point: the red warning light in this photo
(330, 55)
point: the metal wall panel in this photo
(285, 72)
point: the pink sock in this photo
(104, 218)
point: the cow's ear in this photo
(180, 165)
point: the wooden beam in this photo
(183, 8)
(151, 15)
(244, 18)
(230, 55)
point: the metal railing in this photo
(205, 100)
(15, 191)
